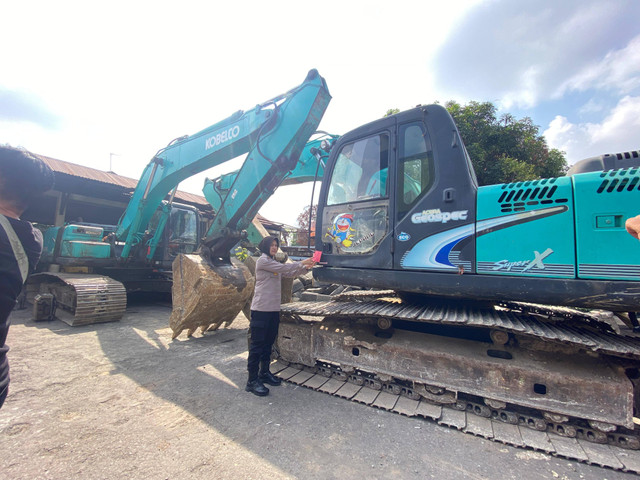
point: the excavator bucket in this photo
(207, 296)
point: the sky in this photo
(107, 84)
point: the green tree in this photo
(504, 149)
(392, 111)
(305, 219)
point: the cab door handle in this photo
(448, 195)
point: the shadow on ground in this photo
(122, 400)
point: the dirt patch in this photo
(122, 400)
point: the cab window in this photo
(360, 172)
(183, 227)
(415, 166)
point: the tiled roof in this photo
(111, 178)
(274, 225)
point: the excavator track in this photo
(520, 323)
(557, 380)
(81, 299)
(502, 425)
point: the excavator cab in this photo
(358, 190)
(181, 234)
(385, 190)
(401, 209)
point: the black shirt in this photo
(11, 281)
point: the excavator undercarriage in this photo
(554, 379)
(81, 299)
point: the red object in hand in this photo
(316, 256)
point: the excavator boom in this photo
(209, 289)
(273, 134)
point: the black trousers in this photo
(6, 305)
(3, 395)
(263, 331)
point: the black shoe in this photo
(270, 379)
(257, 388)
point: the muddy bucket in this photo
(205, 296)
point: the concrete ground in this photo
(121, 400)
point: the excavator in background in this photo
(91, 267)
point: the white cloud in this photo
(527, 92)
(619, 70)
(594, 105)
(519, 54)
(618, 132)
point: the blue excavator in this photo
(508, 310)
(505, 310)
(91, 267)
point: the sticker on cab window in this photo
(340, 230)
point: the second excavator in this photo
(126, 257)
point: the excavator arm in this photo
(273, 134)
(274, 156)
(309, 167)
(210, 288)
